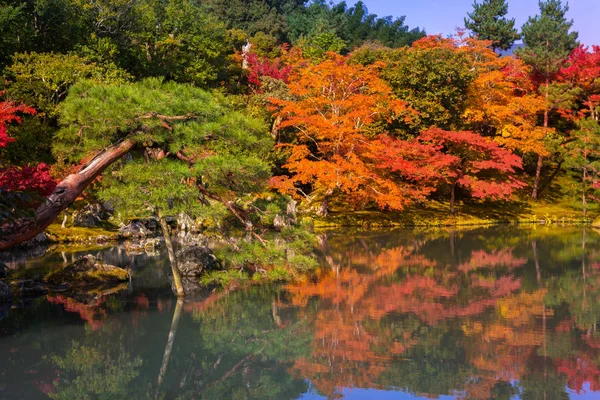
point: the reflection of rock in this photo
(29, 288)
(142, 246)
(88, 271)
(91, 215)
(195, 260)
(5, 293)
(3, 269)
(6, 298)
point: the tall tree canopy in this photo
(548, 42)
(488, 21)
(336, 116)
(353, 25)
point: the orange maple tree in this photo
(337, 118)
(502, 100)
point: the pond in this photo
(503, 312)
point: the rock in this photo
(39, 239)
(3, 270)
(88, 270)
(135, 229)
(90, 215)
(186, 225)
(195, 260)
(291, 210)
(281, 222)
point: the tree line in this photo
(202, 106)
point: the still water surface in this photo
(486, 313)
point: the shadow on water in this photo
(502, 312)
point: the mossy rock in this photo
(88, 271)
(105, 232)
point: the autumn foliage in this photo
(26, 178)
(261, 67)
(337, 117)
(10, 112)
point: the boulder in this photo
(88, 270)
(195, 260)
(135, 229)
(280, 222)
(90, 216)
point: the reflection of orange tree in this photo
(500, 349)
(354, 340)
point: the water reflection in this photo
(497, 313)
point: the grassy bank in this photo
(437, 214)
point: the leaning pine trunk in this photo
(65, 193)
(540, 162)
(172, 257)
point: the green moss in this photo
(87, 271)
(104, 232)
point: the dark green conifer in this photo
(548, 42)
(488, 22)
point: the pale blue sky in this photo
(443, 16)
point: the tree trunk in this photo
(323, 210)
(584, 202)
(538, 169)
(550, 179)
(171, 253)
(538, 174)
(65, 193)
(452, 198)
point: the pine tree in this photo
(584, 154)
(488, 22)
(548, 43)
(185, 143)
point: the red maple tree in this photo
(475, 164)
(25, 178)
(583, 72)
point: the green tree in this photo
(354, 25)
(187, 143)
(584, 154)
(488, 22)
(548, 42)
(43, 79)
(254, 16)
(317, 46)
(41, 26)
(419, 75)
